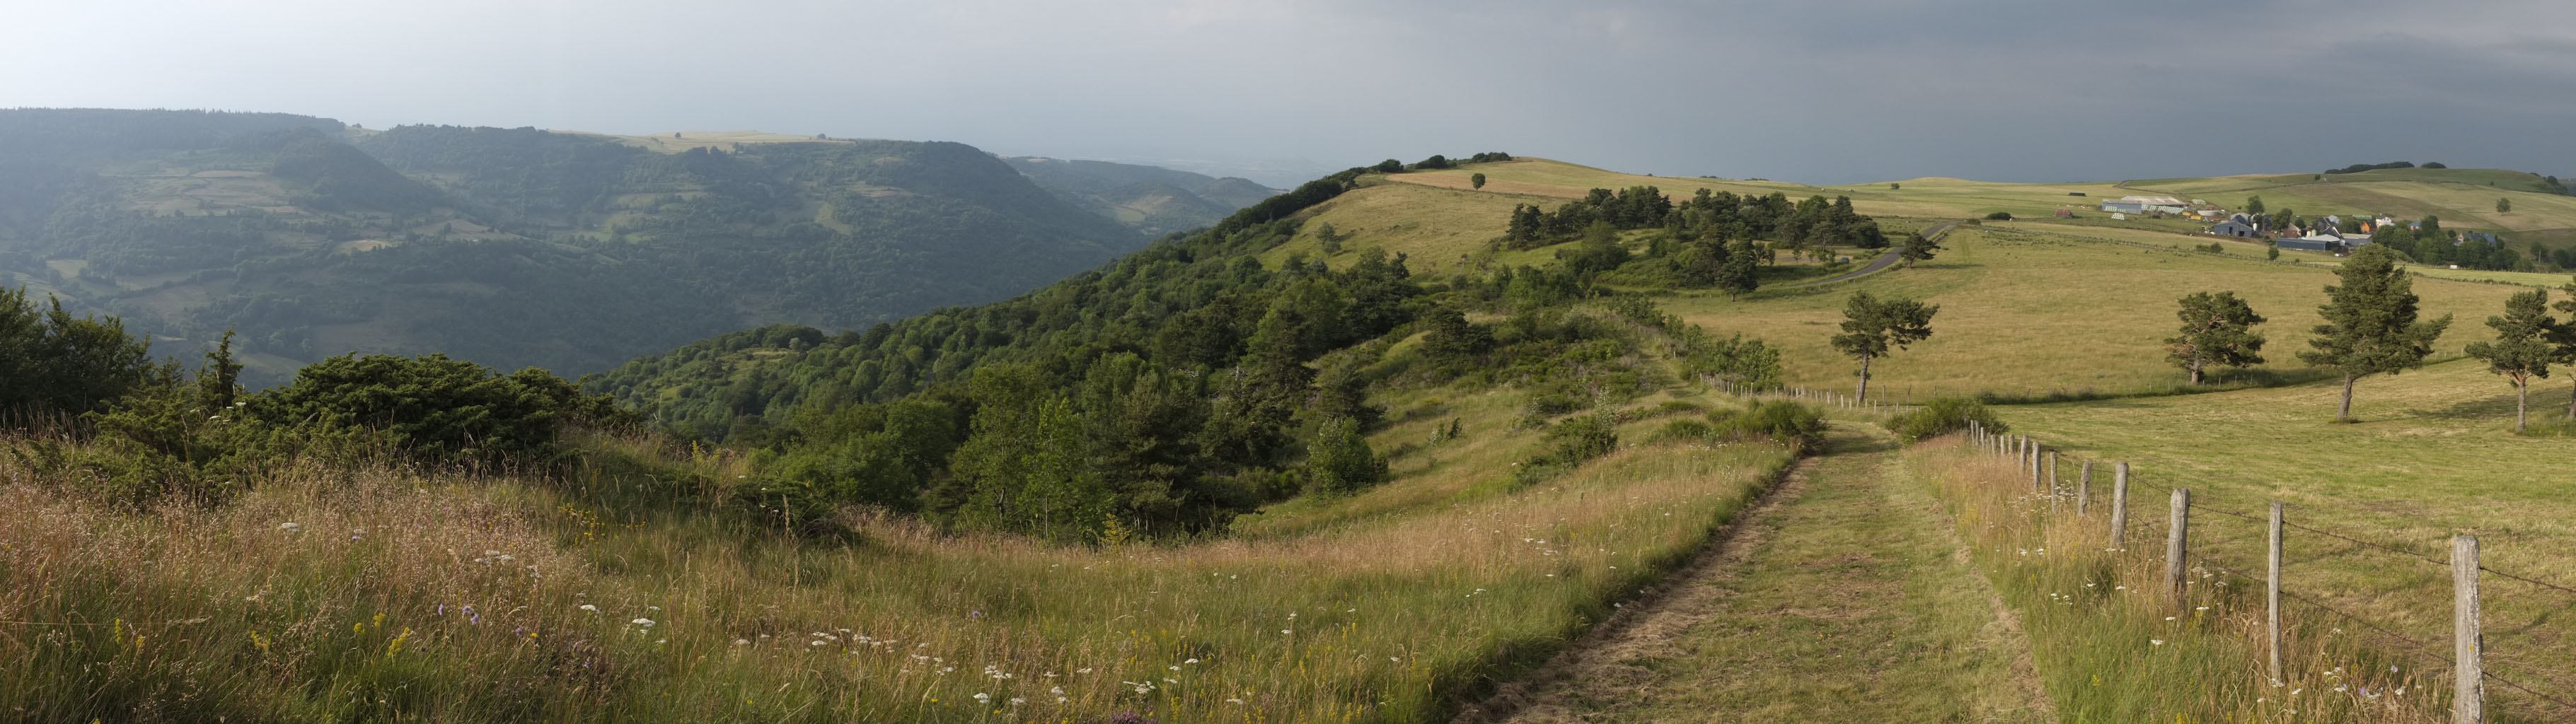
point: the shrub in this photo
(437, 409)
(1569, 444)
(1800, 427)
(1340, 462)
(1941, 416)
(1684, 430)
(2000, 216)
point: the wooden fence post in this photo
(2051, 487)
(2177, 533)
(2120, 506)
(2468, 695)
(2272, 594)
(2084, 490)
(2033, 463)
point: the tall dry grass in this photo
(416, 595)
(2113, 646)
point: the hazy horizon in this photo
(1283, 91)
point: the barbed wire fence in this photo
(2471, 650)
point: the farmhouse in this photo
(2233, 228)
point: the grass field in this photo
(2025, 313)
(2113, 646)
(452, 597)
(2433, 457)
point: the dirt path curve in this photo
(1843, 597)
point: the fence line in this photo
(2470, 654)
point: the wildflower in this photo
(2169, 618)
(290, 527)
(742, 642)
(1016, 701)
(2161, 642)
(644, 622)
(1191, 661)
(983, 697)
(590, 608)
(1285, 631)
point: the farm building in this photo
(2232, 228)
(2311, 243)
(2124, 206)
(2165, 204)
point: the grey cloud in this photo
(1853, 91)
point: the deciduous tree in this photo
(2370, 323)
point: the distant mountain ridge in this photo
(1153, 199)
(509, 247)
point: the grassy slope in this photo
(1384, 606)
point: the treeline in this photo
(2360, 167)
(1713, 217)
(154, 430)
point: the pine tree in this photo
(1920, 248)
(2370, 323)
(1872, 328)
(2523, 348)
(2217, 329)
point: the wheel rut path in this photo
(1843, 595)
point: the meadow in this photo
(2433, 457)
(2113, 646)
(374, 592)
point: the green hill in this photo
(510, 247)
(1152, 199)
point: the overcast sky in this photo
(1283, 90)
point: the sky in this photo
(1286, 90)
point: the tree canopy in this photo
(2371, 326)
(2217, 329)
(2524, 347)
(1873, 327)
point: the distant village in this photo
(2332, 234)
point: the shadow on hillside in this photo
(2495, 407)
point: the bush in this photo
(437, 409)
(1800, 427)
(2000, 216)
(1684, 430)
(1340, 462)
(1941, 416)
(1569, 444)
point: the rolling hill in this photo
(1152, 199)
(510, 247)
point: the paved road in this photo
(1882, 262)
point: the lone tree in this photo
(1476, 181)
(2504, 205)
(1872, 327)
(2217, 329)
(2253, 204)
(2370, 323)
(2523, 348)
(1919, 248)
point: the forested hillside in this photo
(1150, 198)
(508, 247)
